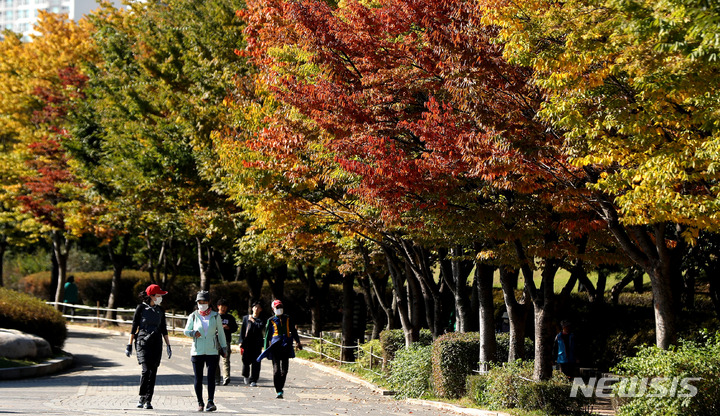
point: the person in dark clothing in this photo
(70, 291)
(230, 326)
(564, 350)
(252, 333)
(147, 333)
(279, 336)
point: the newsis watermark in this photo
(635, 387)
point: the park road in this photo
(105, 382)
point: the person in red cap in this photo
(147, 333)
(279, 336)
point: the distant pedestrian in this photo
(252, 333)
(279, 336)
(564, 350)
(230, 326)
(147, 332)
(71, 295)
(205, 326)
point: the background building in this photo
(20, 15)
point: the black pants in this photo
(147, 381)
(280, 362)
(199, 362)
(251, 367)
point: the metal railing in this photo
(358, 351)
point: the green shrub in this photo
(411, 370)
(696, 359)
(29, 314)
(510, 386)
(454, 357)
(503, 347)
(364, 359)
(394, 340)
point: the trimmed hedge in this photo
(510, 386)
(394, 340)
(454, 356)
(30, 314)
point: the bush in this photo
(454, 357)
(394, 340)
(696, 359)
(364, 359)
(411, 370)
(510, 386)
(29, 314)
(503, 347)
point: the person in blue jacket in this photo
(205, 327)
(279, 335)
(564, 350)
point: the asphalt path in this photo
(104, 381)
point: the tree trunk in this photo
(410, 329)
(649, 249)
(348, 336)
(204, 265)
(455, 272)
(3, 247)
(488, 343)
(601, 284)
(373, 306)
(517, 313)
(61, 250)
(54, 276)
(277, 281)
(118, 262)
(544, 304)
(417, 259)
(254, 281)
(313, 297)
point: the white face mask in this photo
(279, 311)
(158, 300)
(202, 307)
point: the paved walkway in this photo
(105, 382)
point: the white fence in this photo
(359, 352)
(97, 314)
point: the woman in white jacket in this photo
(205, 326)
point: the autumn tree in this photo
(630, 86)
(44, 84)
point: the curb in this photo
(37, 370)
(376, 389)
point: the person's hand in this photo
(224, 350)
(299, 346)
(226, 327)
(169, 351)
(242, 351)
(197, 334)
(128, 350)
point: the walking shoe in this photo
(210, 406)
(140, 404)
(279, 395)
(226, 381)
(201, 406)
(246, 380)
(148, 405)
(253, 384)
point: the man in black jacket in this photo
(252, 333)
(230, 326)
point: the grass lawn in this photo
(9, 363)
